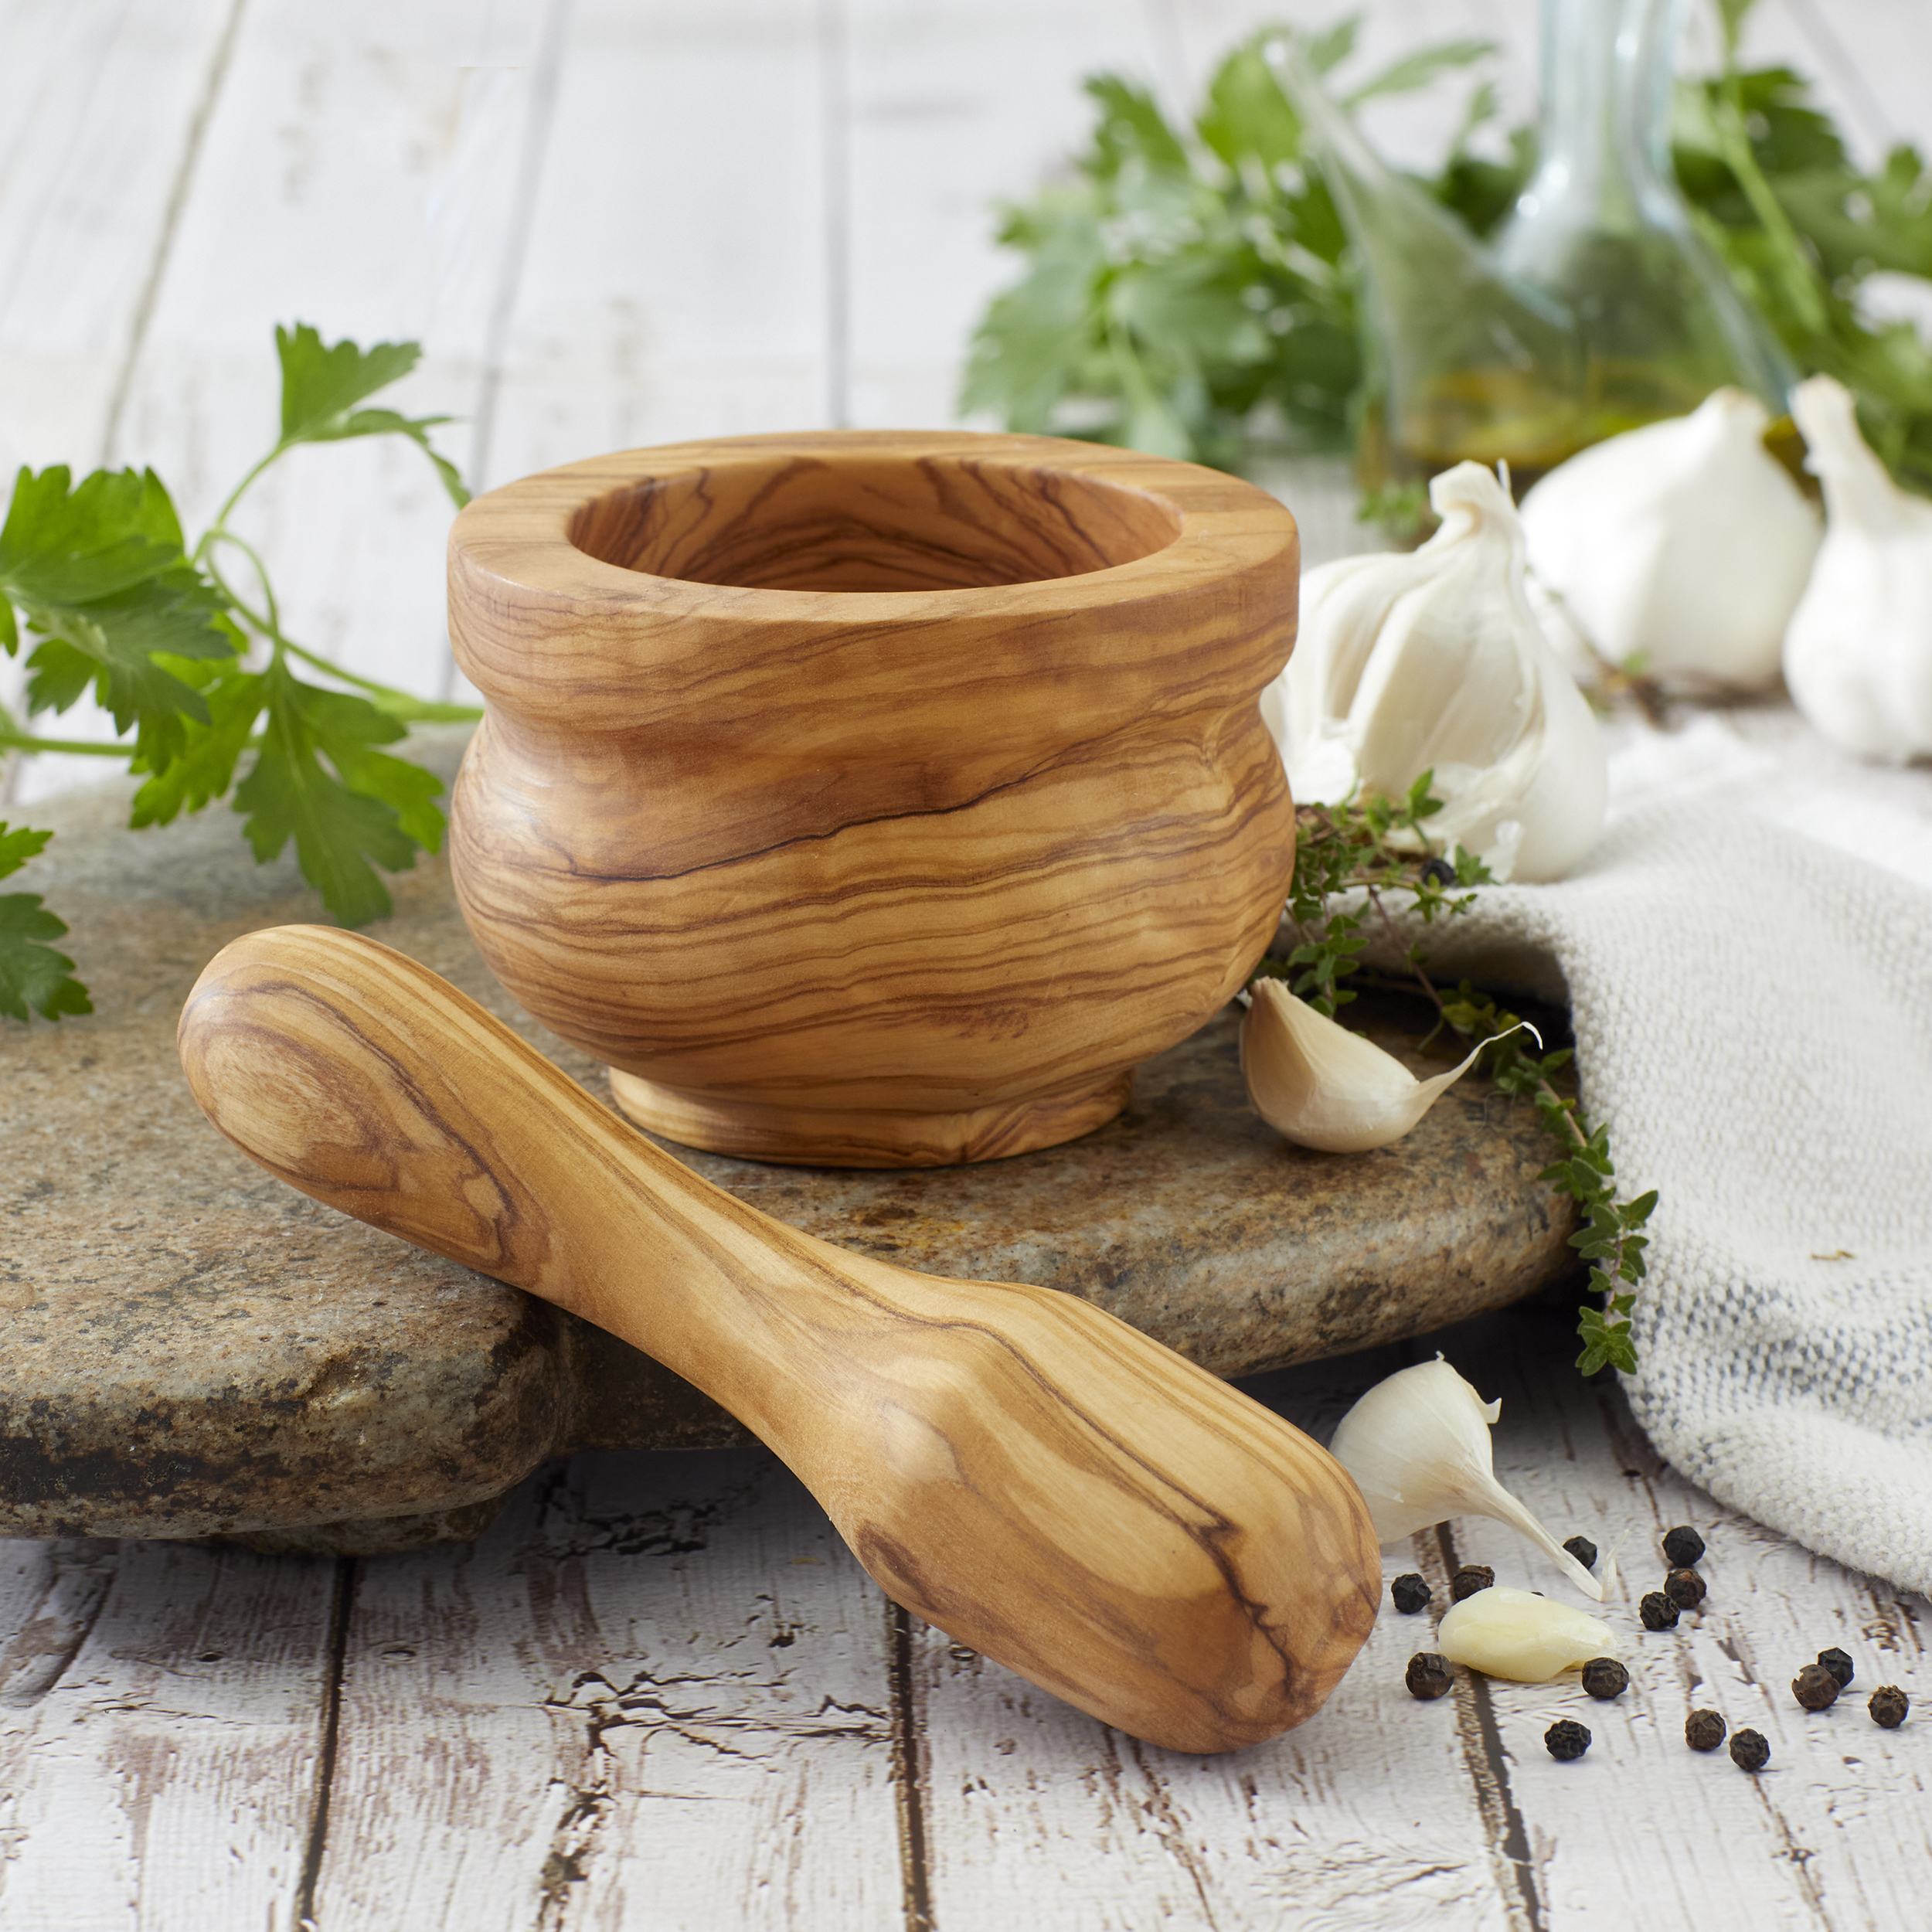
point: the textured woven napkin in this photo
(1747, 957)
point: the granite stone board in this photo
(192, 1348)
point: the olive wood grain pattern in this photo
(1034, 1477)
(873, 799)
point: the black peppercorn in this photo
(1835, 1661)
(1682, 1546)
(1658, 1611)
(1440, 870)
(1815, 1688)
(1750, 1752)
(1889, 1705)
(1703, 1730)
(1470, 1579)
(1410, 1593)
(1566, 1739)
(1604, 1677)
(1685, 1588)
(1429, 1674)
(1583, 1550)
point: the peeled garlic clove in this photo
(1685, 540)
(1858, 655)
(1435, 661)
(1418, 1447)
(1518, 1635)
(1320, 1085)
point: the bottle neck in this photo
(1604, 133)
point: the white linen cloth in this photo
(1747, 957)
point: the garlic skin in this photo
(1518, 1635)
(1320, 1085)
(1858, 656)
(1418, 1447)
(1686, 540)
(1436, 660)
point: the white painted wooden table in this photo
(659, 1693)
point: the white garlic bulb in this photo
(1417, 1445)
(1686, 541)
(1858, 656)
(1435, 661)
(1319, 1085)
(1518, 1635)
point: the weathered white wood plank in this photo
(1366, 1817)
(656, 1693)
(675, 282)
(1641, 1825)
(99, 105)
(161, 1713)
(358, 175)
(955, 106)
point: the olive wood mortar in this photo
(1039, 1480)
(873, 799)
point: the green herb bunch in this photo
(1350, 858)
(98, 584)
(1190, 290)
(1186, 287)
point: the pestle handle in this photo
(1039, 1480)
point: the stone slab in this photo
(192, 1348)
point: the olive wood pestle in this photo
(1042, 1482)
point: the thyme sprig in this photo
(1375, 845)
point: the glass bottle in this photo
(1602, 228)
(1464, 361)
(1597, 308)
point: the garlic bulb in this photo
(1518, 1635)
(1320, 1085)
(1417, 1445)
(1685, 540)
(1858, 656)
(1435, 661)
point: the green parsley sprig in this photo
(200, 675)
(1375, 846)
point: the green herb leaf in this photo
(204, 768)
(62, 545)
(33, 977)
(322, 384)
(370, 807)
(1418, 69)
(100, 573)
(113, 644)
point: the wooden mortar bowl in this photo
(873, 799)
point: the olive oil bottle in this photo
(1597, 309)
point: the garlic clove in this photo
(1436, 660)
(1418, 1448)
(1685, 540)
(1857, 654)
(1518, 1635)
(1321, 1085)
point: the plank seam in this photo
(910, 1772)
(1488, 1767)
(170, 222)
(347, 1569)
(538, 117)
(836, 109)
